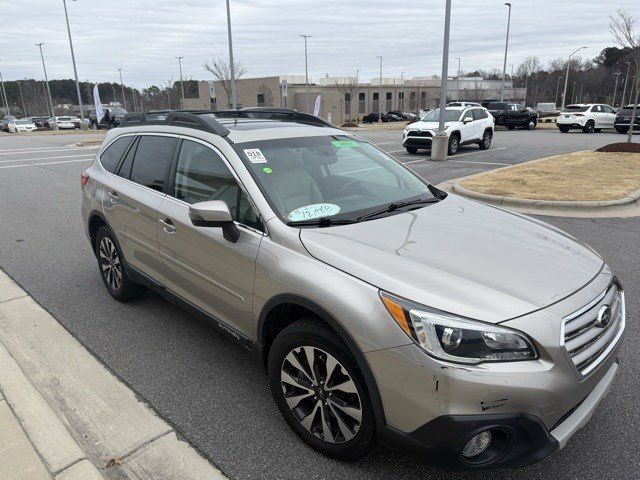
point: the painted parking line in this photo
(88, 159)
(45, 158)
(384, 143)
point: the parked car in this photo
(404, 115)
(77, 121)
(384, 309)
(116, 115)
(512, 115)
(463, 104)
(386, 117)
(464, 125)
(623, 119)
(22, 125)
(4, 123)
(41, 123)
(586, 117)
(63, 123)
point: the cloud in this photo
(144, 36)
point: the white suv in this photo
(590, 117)
(463, 125)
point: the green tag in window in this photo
(345, 143)
(267, 170)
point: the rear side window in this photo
(112, 155)
(152, 157)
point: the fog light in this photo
(477, 445)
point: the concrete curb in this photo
(83, 421)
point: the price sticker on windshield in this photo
(255, 155)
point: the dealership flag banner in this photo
(316, 109)
(97, 104)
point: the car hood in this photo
(460, 256)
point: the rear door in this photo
(211, 273)
(133, 201)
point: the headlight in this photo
(458, 339)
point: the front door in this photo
(201, 267)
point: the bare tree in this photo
(623, 28)
(267, 94)
(349, 90)
(220, 68)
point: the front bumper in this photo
(419, 140)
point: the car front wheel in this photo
(320, 392)
(485, 143)
(454, 143)
(411, 150)
(532, 124)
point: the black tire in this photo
(531, 124)
(110, 259)
(622, 130)
(454, 143)
(319, 339)
(412, 150)
(511, 127)
(589, 127)
(564, 129)
(485, 143)
(597, 130)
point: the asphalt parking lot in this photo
(208, 388)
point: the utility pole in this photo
(306, 68)
(506, 48)
(573, 93)
(4, 95)
(557, 90)
(615, 89)
(46, 80)
(581, 90)
(566, 78)
(75, 70)
(380, 93)
(124, 102)
(232, 66)
(440, 144)
(24, 109)
(624, 90)
(459, 72)
(181, 79)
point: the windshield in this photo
(337, 177)
(450, 115)
(576, 108)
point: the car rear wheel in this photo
(589, 127)
(320, 392)
(511, 127)
(412, 150)
(112, 269)
(454, 143)
(564, 129)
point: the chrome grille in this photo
(415, 133)
(586, 341)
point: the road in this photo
(208, 388)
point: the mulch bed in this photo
(624, 147)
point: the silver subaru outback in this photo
(383, 309)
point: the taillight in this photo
(84, 178)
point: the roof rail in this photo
(190, 119)
(282, 114)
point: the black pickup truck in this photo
(512, 115)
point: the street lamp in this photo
(380, 93)
(181, 79)
(75, 70)
(124, 101)
(232, 67)
(46, 81)
(615, 89)
(506, 48)
(440, 143)
(306, 68)
(4, 95)
(626, 79)
(566, 78)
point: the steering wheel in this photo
(349, 183)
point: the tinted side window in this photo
(112, 155)
(153, 155)
(202, 175)
(479, 114)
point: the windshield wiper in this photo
(321, 222)
(397, 205)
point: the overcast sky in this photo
(144, 36)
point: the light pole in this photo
(458, 58)
(557, 90)
(440, 144)
(75, 70)
(4, 95)
(615, 89)
(566, 78)
(24, 109)
(124, 102)
(46, 81)
(380, 93)
(626, 79)
(306, 68)
(581, 90)
(232, 67)
(506, 48)
(181, 79)
(573, 93)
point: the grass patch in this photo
(579, 176)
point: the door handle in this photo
(113, 196)
(168, 226)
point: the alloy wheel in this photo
(321, 394)
(487, 140)
(110, 263)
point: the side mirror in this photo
(214, 213)
(467, 119)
